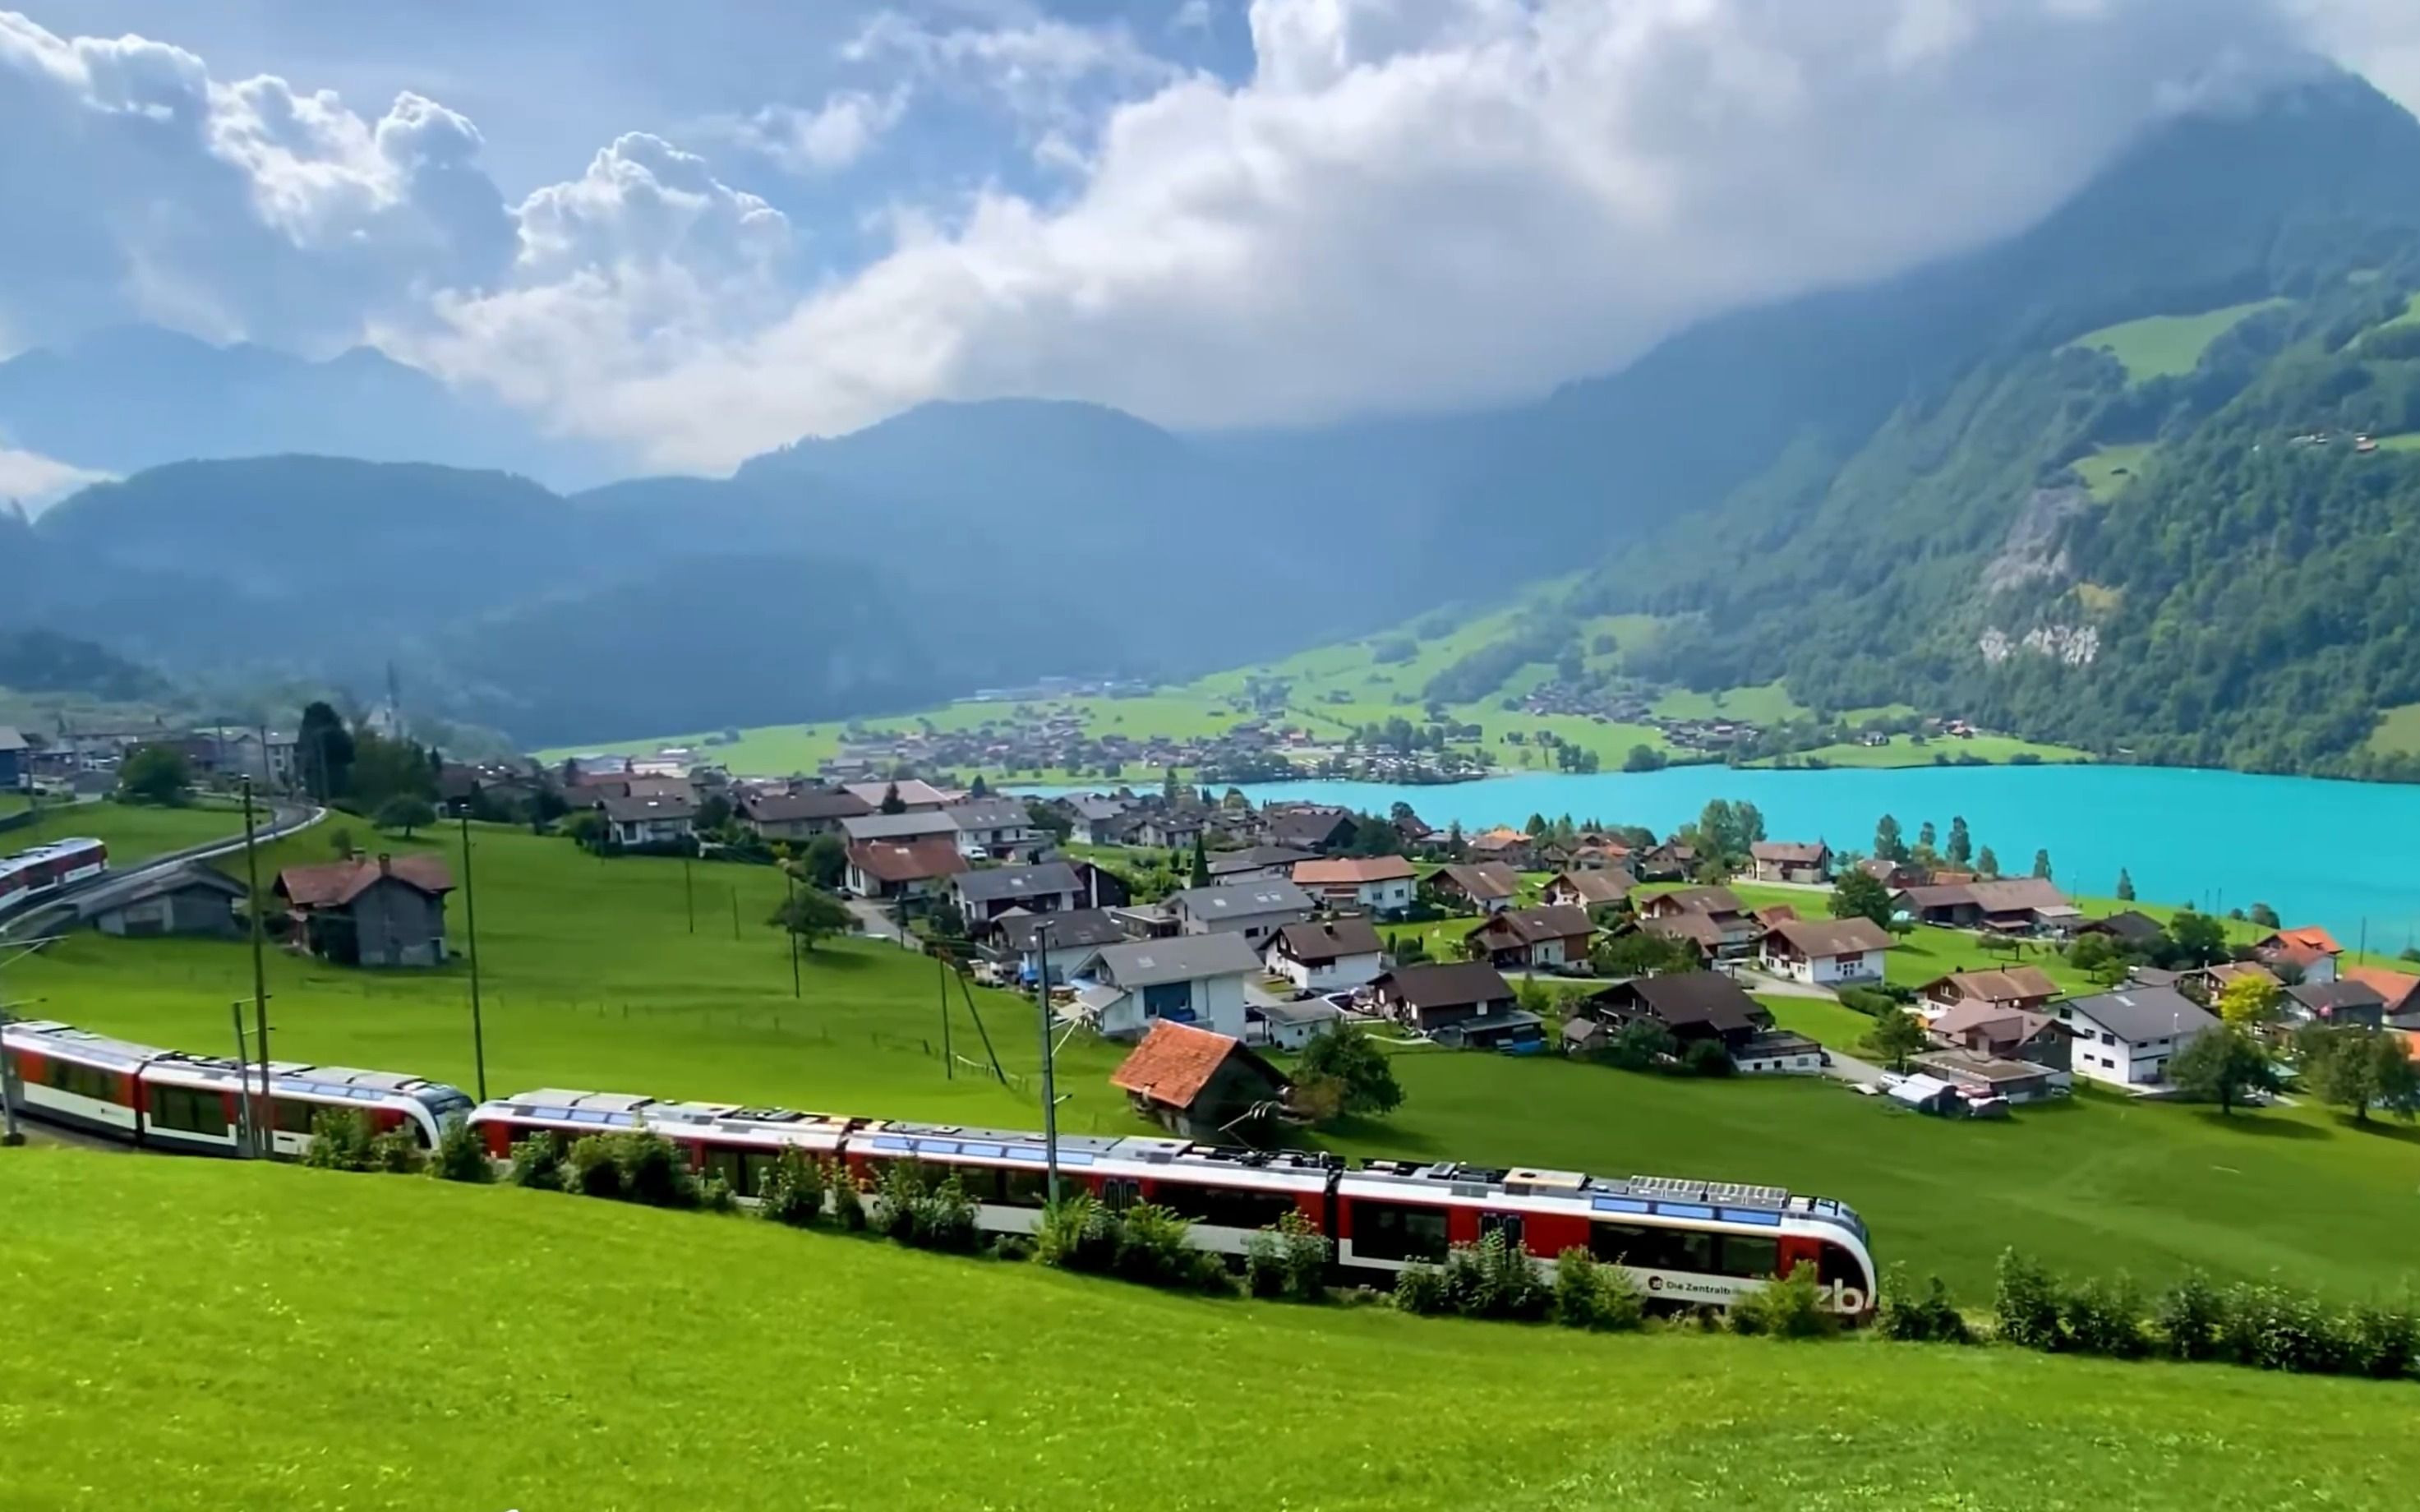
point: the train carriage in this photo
(78, 1079)
(739, 1144)
(43, 869)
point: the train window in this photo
(1643, 1247)
(187, 1111)
(755, 1169)
(83, 1082)
(1026, 1188)
(1223, 1207)
(1751, 1255)
(1837, 1264)
(980, 1183)
(1391, 1231)
(295, 1116)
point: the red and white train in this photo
(45, 868)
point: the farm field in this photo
(2162, 346)
(2109, 468)
(921, 1381)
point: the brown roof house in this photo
(1543, 937)
(800, 815)
(1331, 956)
(1790, 861)
(1826, 951)
(1592, 890)
(1485, 886)
(1689, 1004)
(1202, 1086)
(2310, 952)
(387, 912)
(1713, 917)
(2016, 987)
(1458, 1003)
(2003, 1032)
(2017, 905)
(1380, 885)
(903, 868)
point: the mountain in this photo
(140, 397)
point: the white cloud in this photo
(37, 482)
(830, 138)
(1192, 16)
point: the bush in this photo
(1420, 1290)
(1865, 1000)
(1077, 1233)
(1593, 1294)
(1929, 1318)
(1790, 1308)
(794, 1191)
(461, 1156)
(2189, 1316)
(1288, 1260)
(340, 1141)
(847, 1203)
(2273, 1328)
(1494, 1278)
(1154, 1249)
(537, 1163)
(397, 1152)
(892, 1211)
(653, 1170)
(2381, 1342)
(590, 1170)
(2025, 1304)
(715, 1195)
(1707, 1057)
(2103, 1317)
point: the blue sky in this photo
(706, 229)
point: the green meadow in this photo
(2162, 346)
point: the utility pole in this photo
(941, 977)
(1049, 1082)
(263, 1122)
(470, 908)
(789, 923)
(248, 1137)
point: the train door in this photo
(1120, 1192)
(1509, 1224)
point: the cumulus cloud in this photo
(830, 138)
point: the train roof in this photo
(52, 851)
(289, 1077)
(621, 1110)
(1683, 1198)
(83, 1044)
(1141, 1155)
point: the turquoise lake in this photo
(2341, 854)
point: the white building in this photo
(1379, 885)
(1252, 909)
(1290, 1026)
(1825, 951)
(1333, 957)
(2125, 1038)
(995, 829)
(646, 821)
(1195, 980)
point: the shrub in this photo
(340, 1141)
(537, 1163)
(1077, 1233)
(461, 1156)
(1288, 1260)
(1866, 1001)
(589, 1168)
(397, 1152)
(1154, 1249)
(653, 1170)
(2381, 1342)
(1929, 1318)
(2025, 1304)
(1790, 1308)
(2189, 1316)
(1494, 1278)
(715, 1195)
(794, 1191)
(945, 1219)
(848, 1204)
(892, 1211)
(2274, 1329)
(1420, 1290)
(2103, 1317)
(1593, 1294)
(1707, 1057)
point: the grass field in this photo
(2111, 468)
(2399, 729)
(1901, 752)
(378, 1342)
(131, 834)
(2408, 440)
(2165, 345)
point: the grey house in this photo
(388, 911)
(1253, 909)
(192, 899)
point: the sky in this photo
(703, 230)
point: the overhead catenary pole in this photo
(1049, 1082)
(263, 1120)
(247, 1139)
(941, 978)
(790, 880)
(471, 922)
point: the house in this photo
(1790, 861)
(1689, 1004)
(2336, 1002)
(1100, 888)
(985, 893)
(902, 870)
(2005, 1032)
(1168, 829)
(1252, 909)
(2020, 905)
(1976, 1076)
(1508, 848)
(2209, 982)
(1200, 1086)
(1331, 956)
(2017, 987)
(191, 899)
(1272, 863)
(16, 759)
(1533, 938)
(2129, 930)
(632, 822)
(2124, 1039)
(802, 815)
(1311, 827)
(1825, 951)
(1095, 819)
(1483, 887)
(915, 796)
(1895, 875)
(387, 912)
(1290, 1026)
(995, 829)
(921, 825)
(1193, 979)
(2310, 952)
(1592, 890)
(1715, 919)
(2400, 993)
(1436, 995)
(1058, 943)
(266, 756)
(1670, 862)
(1377, 885)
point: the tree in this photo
(1751, 823)
(2041, 864)
(1888, 842)
(811, 914)
(2358, 1069)
(1860, 895)
(2265, 916)
(2221, 1065)
(405, 813)
(1894, 1037)
(1201, 862)
(1640, 1045)
(979, 788)
(1925, 838)
(946, 921)
(1050, 819)
(325, 750)
(1347, 1056)
(2200, 938)
(892, 802)
(1641, 953)
(2125, 885)
(1961, 845)
(1537, 827)
(155, 774)
(824, 863)
(1643, 758)
(2248, 1001)
(1987, 863)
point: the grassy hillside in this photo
(370, 1342)
(2168, 346)
(132, 833)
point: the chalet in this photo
(985, 893)
(1333, 956)
(1099, 887)
(1200, 1086)
(1055, 943)
(800, 815)
(995, 829)
(388, 911)
(914, 796)
(1690, 1005)
(1726, 927)
(1271, 863)
(642, 821)
(2310, 953)
(189, 899)
(1443, 996)
(2027, 988)
(923, 824)
(1771, 914)
(2338, 1003)
(902, 870)
(1790, 861)
(1670, 862)
(2005, 1032)
(1591, 890)
(1825, 951)
(1189, 979)
(2125, 1039)
(1483, 887)
(1095, 819)
(1509, 848)
(2399, 993)
(2128, 930)
(1378, 885)
(1532, 938)
(1168, 829)
(1698, 932)
(2208, 982)
(1976, 1076)
(1290, 1026)
(1894, 875)
(1252, 909)
(2020, 905)
(1309, 827)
